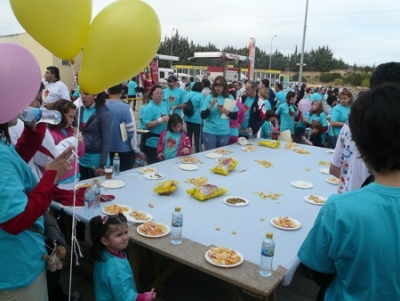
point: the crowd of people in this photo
(96, 127)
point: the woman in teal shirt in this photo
(216, 131)
(339, 116)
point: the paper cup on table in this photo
(108, 171)
(229, 105)
(285, 136)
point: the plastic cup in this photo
(108, 170)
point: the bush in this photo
(338, 82)
(295, 78)
(329, 77)
(365, 82)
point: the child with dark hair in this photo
(287, 112)
(113, 277)
(315, 135)
(173, 141)
(364, 219)
(266, 128)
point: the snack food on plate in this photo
(115, 209)
(269, 143)
(225, 166)
(139, 215)
(285, 222)
(206, 192)
(224, 256)
(153, 229)
(166, 187)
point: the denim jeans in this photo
(212, 141)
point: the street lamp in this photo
(172, 34)
(302, 48)
(270, 55)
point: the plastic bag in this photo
(269, 143)
(206, 192)
(166, 187)
(225, 166)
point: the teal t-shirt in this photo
(339, 113)
(152, 112)
(214, 124)
(286, 114)
(247, 105)
(171, 144)
(197, 100)
(356, 235)
(280, 98)
(173, 97)
(266, 130)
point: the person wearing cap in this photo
(173, 96)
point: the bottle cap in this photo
(116, 155)
(269, 235)
(89, 185)
(95, 180)
(177, 209)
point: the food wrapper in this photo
(225, 166)
(269, 143)
(166, 187)
(206, 192)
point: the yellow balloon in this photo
(122, 39)
(58, 25)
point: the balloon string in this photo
(74, 241)
(73, 74)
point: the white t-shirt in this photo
(353, 170)
(55, 91)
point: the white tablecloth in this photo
(202, 218)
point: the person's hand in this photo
(61, 164)
(148, 296)
(99, 172)
(186, 151)
(305, 120)
(31, 124)
(222, 110)
(160, 156)
(165, 118)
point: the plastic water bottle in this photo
(40, 115)
(96, 194)
(116, 165)
(250, 133)
(267, 255)
(89, 201)
(176, 226)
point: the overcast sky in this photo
(363, 32)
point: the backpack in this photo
(188, 110)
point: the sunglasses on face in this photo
(218, 85)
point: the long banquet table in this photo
(240, 228)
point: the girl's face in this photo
(88, 99)
(177, 128)
(344, 100)
(315, 107)
(70, 117)
(157, 95)
(292, 100)
(117, 238)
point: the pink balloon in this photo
(20, 78)
(304, 105)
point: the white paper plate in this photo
(142, 131)
(222, 152)
(188, 160)
(188, 167)
(298, 224)
(213, 155)
(153, 176)
(147, 170)
(302, 184)
(131, 219)
(308, 200)
(324, 171)
(330, 151)
(333, 180)
(153, 236)
(225, 200)
(113, 184)
(127, 209)
(207, 256)
(249, 148)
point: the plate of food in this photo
(213, 155)
(285, 223)
(250, 148)
(243, 141)
(222, 151)
(153, 229)
(324, 171)
(224, 257)
(113, 184)
(114, 209)
(147, 170)
(138, 217)
(235, 201)
(153, 176)
(315, 199)
(302, 184)
(333, 180)
(188, 160)
(189, 167)
(290, 145)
